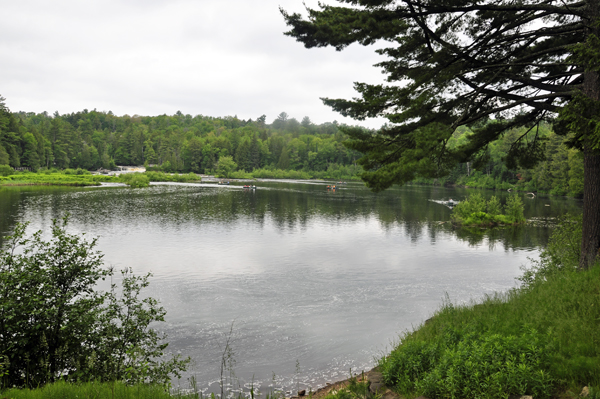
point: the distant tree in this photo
(261, 120)
(30, 157)
(4, 157)
(281, 121)
(226, 166)
(306, 122)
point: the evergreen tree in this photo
(464, 62)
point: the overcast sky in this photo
(151, 57)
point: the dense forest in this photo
(234, 147)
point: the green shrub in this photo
(459, 365)
(6, 170)
(514, 209)
(135, 180)
(493, 206)
(561, 253)
(476, 211)
(55, 325)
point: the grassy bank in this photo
(96, 390)
(542, 339)
(333, 173)
(82, 178)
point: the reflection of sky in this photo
(330, 292)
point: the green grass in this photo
(82, 178)
(119, 390)
(96, 390)
(354, 390)
(54, 179)
(168, 177)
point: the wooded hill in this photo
(185, 143)
(560, 173)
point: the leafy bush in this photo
(55, 325)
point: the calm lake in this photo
(316, 282)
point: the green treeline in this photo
(560, 173)
(178, 143)
(230, 147)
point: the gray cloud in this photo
(145, 57)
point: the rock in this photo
(390, 395)
(376, 382)
(585, 392)
(302, 392)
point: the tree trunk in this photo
(590, 240)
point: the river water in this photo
(311, 282)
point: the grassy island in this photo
(476, 211)
(82, 178)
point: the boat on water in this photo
(248, 187)
(223, 183)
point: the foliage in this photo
(178, 143)
(459, 364)
(559, 173)
(182, 143)
(6, 170)
(489, 66)
(536, 340)
(226, 166)
(460, 65)
(55, 325)
(476, 211)
(562, 252)
(135, 180)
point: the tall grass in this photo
(96, 390)
(72, 178)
